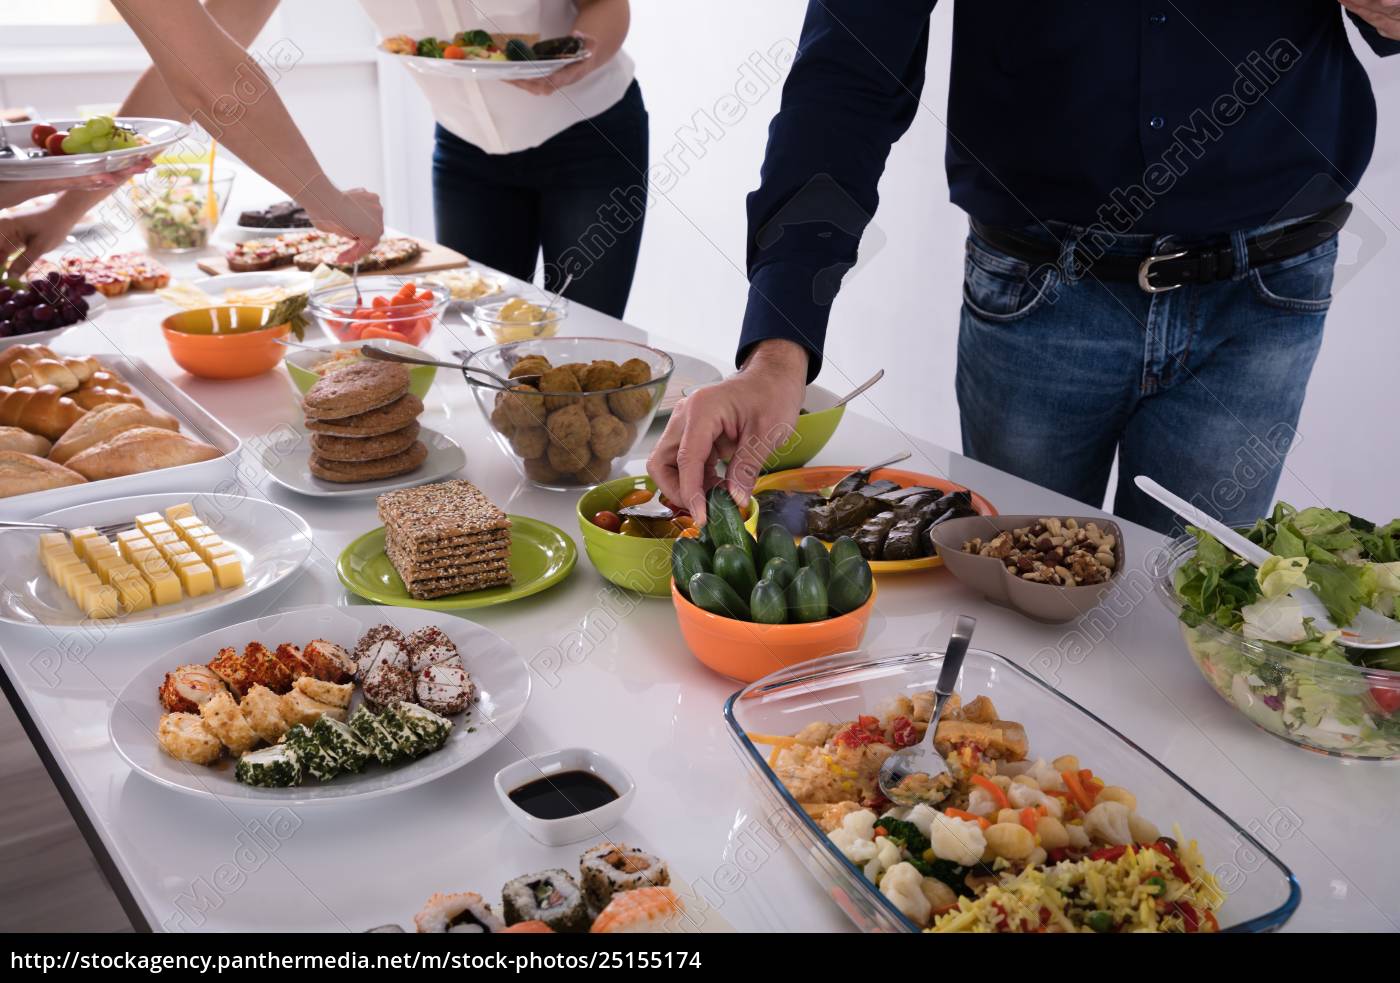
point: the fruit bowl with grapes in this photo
(77, 147)
(36, 310)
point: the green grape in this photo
(99, 126)
(100, 145)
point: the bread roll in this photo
(17, 439)
(137, 451)
(44, 411)
(15, 354)
(104, 422)
(24, 473)
(46, 372)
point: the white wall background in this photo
(898, 310)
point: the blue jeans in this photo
(580, 197)
(1199, 388)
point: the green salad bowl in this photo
(818, 421)
(301, 364)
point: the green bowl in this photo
(814, 429)
(642, 565)
(299, 362)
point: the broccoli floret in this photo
(473, 39)
(906, 834)
(430, 48)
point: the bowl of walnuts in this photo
(576, 408)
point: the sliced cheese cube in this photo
(135, 547)
(100, 551)
(195, 532)
(187, 522)
(148, 518)
(223, 549)
(104, 565)
(80, 582)
(177, 512)
(51, 540)
(64, 573)
(161, 538)
(177, 548)
(196, 578)
(99, 601)
(154, 529)
(85, 539)
(228, 570)
(165, 586)
(134, 594)
(203, 545)
(126, 534)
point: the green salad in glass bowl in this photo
(1253, 645)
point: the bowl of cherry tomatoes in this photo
(389, 308)
(635, 552)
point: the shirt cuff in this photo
(785, 301)
(1382, 46)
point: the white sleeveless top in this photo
(495, 116)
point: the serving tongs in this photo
(1369, 630)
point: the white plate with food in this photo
(288, 463)
(97, 306)
(132, 561)
(261, 289)
(198, 452)
(690, 372)
(485, 56)
(147, 137)
(238, 727)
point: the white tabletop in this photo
(628, 687)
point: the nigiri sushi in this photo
(647, 909)
(530, 926)
(464, 912)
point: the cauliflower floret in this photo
(981, 803)
(856, 836)
(903, 885)
(922, 816)
(956, 839)
(887, 854)
(1108, 822)
(1045, 775)
(1023, 797)
(1078, 837)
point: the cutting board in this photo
(433, 257)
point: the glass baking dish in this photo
(840, 687)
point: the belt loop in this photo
(1239, 244)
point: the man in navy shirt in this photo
(1154, 191)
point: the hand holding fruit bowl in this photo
(391, 310)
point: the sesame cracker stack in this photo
(445, 538)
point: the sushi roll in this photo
(464, 912)
(432, 730)
(337, 740)
(316, 761)
(647, 909)
(271, 767)
(551, 896)
(611, 868)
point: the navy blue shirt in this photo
(1190, 117)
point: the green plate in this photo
(540, 556)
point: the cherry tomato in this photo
(636, 497)
(40, 134)
(632, 527)
(1386, 698)
(453, 52)
(53, 143)
(610, 521)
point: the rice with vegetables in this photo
(1009, 844)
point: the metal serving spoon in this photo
(830, 489)
(384, 355)
(1370, 630)
(922, 760)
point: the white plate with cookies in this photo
(288, 463)
(270, 543)
(499, 679)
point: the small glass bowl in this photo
(172, 206)
(487, 317)
(334, 308)
(575, 438)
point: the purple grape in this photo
(88, 289)
(7, 310)
(7, 328)
(23, 316)
(74, 280)
(54, 277)
(43, 313)
(22, 298)
(5, 294)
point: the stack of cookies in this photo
(445, 538)
(364, 423)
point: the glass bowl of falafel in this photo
(576, 407)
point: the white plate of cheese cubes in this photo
(178, 554)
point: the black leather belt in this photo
(1208, 262)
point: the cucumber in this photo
(705, 540)
(710, 593)
(689, 557)
(776, 542)
(813, 555)
(768, 603)
(736, 567)
(725, 523)
(780, 571)
(851, 583)
(806, 596)
(843, 548)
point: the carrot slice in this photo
(992, 789)
(966, 816)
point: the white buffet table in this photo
(610, 672)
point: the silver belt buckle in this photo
(1145, 271)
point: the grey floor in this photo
(49, 880)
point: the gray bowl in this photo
(989, 576)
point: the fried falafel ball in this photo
(539, 469)
(559, 383)
(529, 365)
(529, 441)
(602, 374)
(631, 404)
(568, 459)
(523, 407)
(595, 406)
(577, 369)
(634, 372)
(608, 437)
(595, 471)
(569, 427)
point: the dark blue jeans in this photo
(1199, 388)
(580, 197)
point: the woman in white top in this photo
(555, 164)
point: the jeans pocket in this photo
(1301, 284)
(1000, 288)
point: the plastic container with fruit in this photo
(390, 308)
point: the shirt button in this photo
(1156, 122)
(1157, 18)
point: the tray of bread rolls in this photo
(78, 428)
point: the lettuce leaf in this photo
(1279, 574)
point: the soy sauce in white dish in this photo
(569, 793)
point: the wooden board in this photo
(434, 257)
